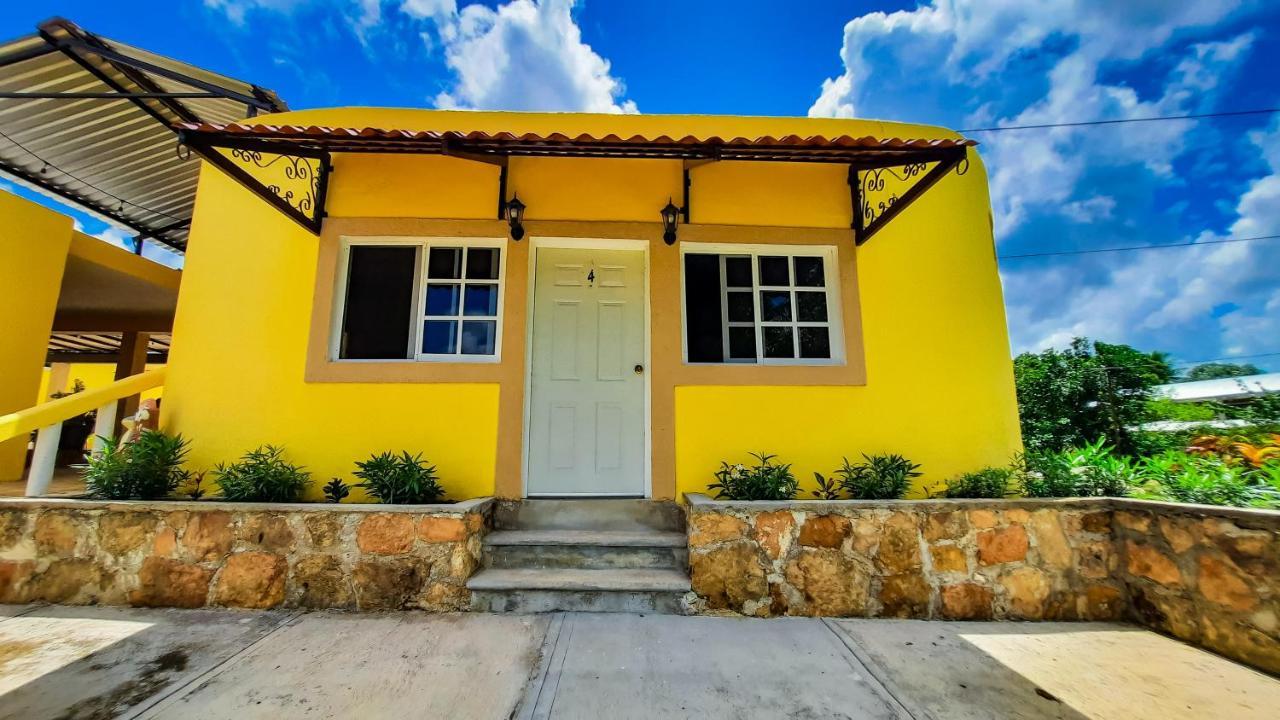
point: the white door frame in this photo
(536, 243)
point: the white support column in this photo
(104, 426)
(43, 460)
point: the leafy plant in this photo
(194, 489)
(336, 490)
(880, 477)
(989, 482)
(262, 475)
(146, 469)
(399, 479)
(1203, 479)
(828, 488)
(1091, 470)
(762, 481)
(1235, 450)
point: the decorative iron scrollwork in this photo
(882, 188)
(292, 178)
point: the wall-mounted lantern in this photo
(670, 216)
(515, 217)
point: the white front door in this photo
(586, 406)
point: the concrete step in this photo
(589, 514)
(531, 591)
(585, 549)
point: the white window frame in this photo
(417, 316)
(831, 286)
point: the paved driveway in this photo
(65, 662)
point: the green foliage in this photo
(402, 479)
(990, 482)
(762, 481)
(336, 490)
(1203, 479)
(1216, 370)
(828, 488)
(880, 477)
(194, 487)
(1070, 397)
(262, 475)
(1091, 470)
(146, 469)
(1166, 409)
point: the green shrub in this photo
(1092, 470)
(762, 481)
(335, 491)
(880, 477)
(1202, 479)
(828, 487)
(146, 469)
(262, 475)
(402, 479)
(990, 482)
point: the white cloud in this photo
(1098, 207)
(236, 10)
(523, 56)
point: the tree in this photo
(1215, 370)
(1090, 390)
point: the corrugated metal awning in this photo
(90, 121)
(101, 347)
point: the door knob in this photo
(639, 369)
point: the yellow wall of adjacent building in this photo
(33, 252)
(93, 375)
(939, 377)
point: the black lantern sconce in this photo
(515, 217)
(670, 216)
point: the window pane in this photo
(481, 300)
(809, 271)
(774, 271)
(442, 300)
(741, 307)
(737, 272)
(811, 306)
(702, 314)
(777, 343)
(742, 343)
(376, 319)
(482, 263)
(479, 337)
(814, 342)
(775, 305)
(445, 263)
(440, 337)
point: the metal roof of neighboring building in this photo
(90, 121)
(101, 347)
(1234, 388)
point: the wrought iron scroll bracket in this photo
(302, 181)
(868, 217)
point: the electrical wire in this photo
(1120, 121)
(1139, 247)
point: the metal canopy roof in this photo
(101, 347)
(89, 120)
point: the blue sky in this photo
(960, 63)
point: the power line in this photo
(1139, 247)
(1229, 357)
(1118, 121)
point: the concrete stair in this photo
(584, 555)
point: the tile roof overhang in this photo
(235, 147)
(89, 121)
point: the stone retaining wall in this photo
(1206, 575)
(248, 555)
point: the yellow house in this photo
(589, 305)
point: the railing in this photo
(48, 418)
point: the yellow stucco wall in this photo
(33, 252)
(939, 377)
(94, 375)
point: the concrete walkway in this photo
(94, 662)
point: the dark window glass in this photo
(741, 307)
(775, 305)
(703, 330)
(482, 263)
(479, 337)
(375, 320)
(737, 272)
(809, 271)
(481, 300)
(442, 300)
(814, 342)
(440, 337)
(811, 306)
(774, 270)
(742, 343)
(778, 342)
(445, 263)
